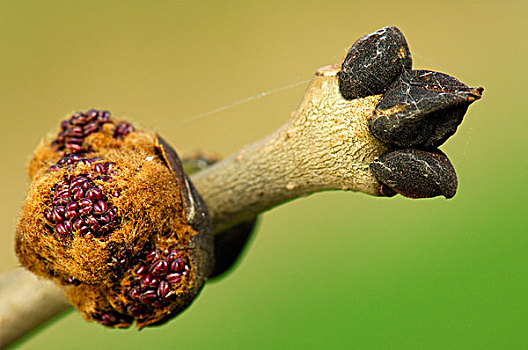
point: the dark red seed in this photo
(178, 265)
(79, 120)
(90, 221)
(123, 129)
(77, 193)
(157, 304)
(90, 118)
(61, 230)
(85, 210)
(62, 188)
(62, 197)
(100, 168)
(94, 194)
(110, 166)
(135, 311)
(100, 207)
(78, 224)
(115, 194)
(74, 147)
(61, 200)
(56, 215)
(105, 219)
(159, 267)
(91, 113)
(49, 214)
(106, 178)
(90, 128)
(75, 140)
(145, 281)
(70, 214)
(84, 230)
(123, 320)
(105, 116)
(63, 194)
(108, 318)
(78, 181)
(72, 206)
(134, 294)
(148, 297)
(154, 282)
(112, 213)
(62, 184)
(173, 278)
(163, 289)
(85, 203)
(76, 132)
(95, 227)
(68, 226)
(152, 255)
(141, 270)
(85, 185)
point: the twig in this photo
(326, 145)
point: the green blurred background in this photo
(332, 270)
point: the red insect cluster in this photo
(79, 206)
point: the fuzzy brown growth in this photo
(91, 218)
(159, 285)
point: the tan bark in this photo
(326, 145)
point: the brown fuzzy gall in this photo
(159, 285)
(116, 220)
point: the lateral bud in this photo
(416, 173)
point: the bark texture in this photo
(326, 145)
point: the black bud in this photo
(373, 63)
(416, 174)
(422, 109)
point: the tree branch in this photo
(27, 302)
(326, 145)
